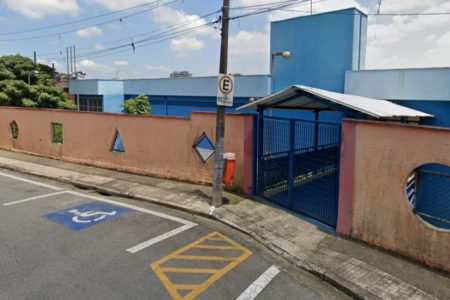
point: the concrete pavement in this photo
(361, 271)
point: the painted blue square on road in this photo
(87, 215)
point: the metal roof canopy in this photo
(308, 98)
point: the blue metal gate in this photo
(297, 166)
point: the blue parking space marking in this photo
(86, 215)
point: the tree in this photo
(16, 72)
(137, 106)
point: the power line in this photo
(78, 21)
(376, 14)
(92, 25)
(163, 36)
(145, 42)
(167, 29)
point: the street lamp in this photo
(283, 54)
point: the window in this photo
(428, 192)
(90, 103)
(57, 133)
(14, 130)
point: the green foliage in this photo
(29, 103)
(16, 71)
(137, 106)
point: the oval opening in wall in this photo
(428, 192)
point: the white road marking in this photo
(52, 187)
(33, 198)
(159, 238)
(259, 284)
(186, 224)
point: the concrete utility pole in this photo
(220, 121)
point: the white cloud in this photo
(99, 47)
(249, 52)
(89, 32)
(40, 8)
(409, 41)
(186, 46)
(94, 69)
(303, 8)
(156, 68)
(120, 63)
(250, 43)
(166, 17)
(116, 4)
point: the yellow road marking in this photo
(189, 270)
(211, 258)
(216, 247)
(216, 274)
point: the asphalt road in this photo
(57, 242)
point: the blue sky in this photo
(392, 40)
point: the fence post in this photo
(291, 163)
(255, 154)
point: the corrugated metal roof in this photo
(308, 98)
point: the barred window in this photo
(428, 191)
(90, 103)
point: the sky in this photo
(105, 31)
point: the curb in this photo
(339, 283)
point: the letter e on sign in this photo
(225, 90)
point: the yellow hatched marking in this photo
(216, 274)
(210, 258)
(189, 270)
(216, 247)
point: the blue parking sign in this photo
(86, 215)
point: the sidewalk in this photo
(360, 270)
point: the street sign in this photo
(225, 90)
(86, 215)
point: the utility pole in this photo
(76, 77)
(220, 121)
(34, 55)
(67, 61)
(71, 61)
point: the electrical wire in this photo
(79, 21)
(175, 26)
(92, 25)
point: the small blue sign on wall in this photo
(86, 215)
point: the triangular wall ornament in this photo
(118, 144)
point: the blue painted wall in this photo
(183, 106)
(113, 95)
(440, 110)
(425, 89)
(323, 47)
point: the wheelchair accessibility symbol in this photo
(89, 216)
(86, 215)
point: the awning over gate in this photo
(308, 98)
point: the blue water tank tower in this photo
(323, 47)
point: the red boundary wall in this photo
(376, 160)
(158, 146)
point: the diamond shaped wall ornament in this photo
(204, 147)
